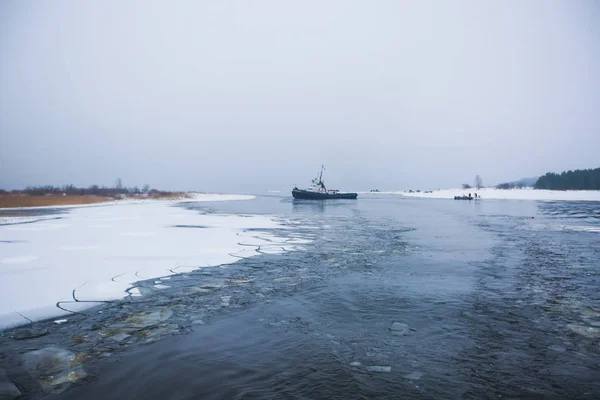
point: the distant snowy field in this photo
(95, 253)
(511, 194)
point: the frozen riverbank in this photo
(52, 265)
(499, 194)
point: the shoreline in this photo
(24, 201)
(18, 201)
(501, 194)
(187, 197)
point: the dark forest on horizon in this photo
(579, 179)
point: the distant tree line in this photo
(93, 190)
(511, 185)
(580, 179)
(71, 190)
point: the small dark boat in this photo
(318, 191)
(469, 197)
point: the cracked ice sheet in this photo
(45, 262)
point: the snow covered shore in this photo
(510, 194)
(94, 254)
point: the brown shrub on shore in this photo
(157, 195)
(21, 200)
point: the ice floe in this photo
(218, 197)
(48, 269)
(399, 329)
(379, 368)
(54, 367)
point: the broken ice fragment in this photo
(379, 368)
(399, 329)
(48, 361)
(415, 376)
(586, 331)
(119, 337)
(68, 376)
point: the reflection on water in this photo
(308, 206)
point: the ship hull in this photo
(311, 195)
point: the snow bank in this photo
(94, 254)
(511, 194)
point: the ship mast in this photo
(321, 177)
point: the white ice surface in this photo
(511, 194)
(96, 253)
(219, 197)
(22, 220)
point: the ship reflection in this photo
(308, 206)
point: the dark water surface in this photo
(494, 299)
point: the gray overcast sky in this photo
(254, 95)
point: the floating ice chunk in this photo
(119, 337)
(557, 348)
(49, 361)
(144, 319)
(238, 282)
(225, 300)
(379, 368)
(355, 364)
(586, 331)
(415, 376)
(161, 287)
(60, 321)
(399, 329)
(271, 250)
(29, 333)
(69, 376)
